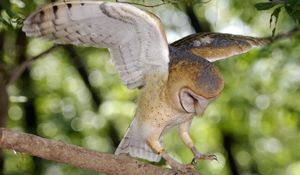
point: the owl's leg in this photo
(154, 143)
(185, 136)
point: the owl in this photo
(177, 80)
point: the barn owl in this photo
(177, 81)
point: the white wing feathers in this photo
(134, 37)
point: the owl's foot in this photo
(178, 167)
(200, 156)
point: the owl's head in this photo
(193, 81)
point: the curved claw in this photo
(200, 156)
(177, 167)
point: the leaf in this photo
(264, 5)
(294, 12)
(275, 14)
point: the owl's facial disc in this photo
(191, 102)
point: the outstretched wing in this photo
(134, 37)
(217, 46)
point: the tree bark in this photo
(3, 110)
(3, 94)
(77, 156)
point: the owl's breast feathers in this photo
(194, 72)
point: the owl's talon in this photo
(194, 161)
(190, 166)
(200, 156)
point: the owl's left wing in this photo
(135, 38)
(217, 46)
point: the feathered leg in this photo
(135, 144)
(184, 135)
(153, 141)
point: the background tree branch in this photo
(76, 60)
(18, 71)
(77, 156)
(3, 109)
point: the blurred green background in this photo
(74, 94)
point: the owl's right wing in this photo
(217, 46)
(135, 38)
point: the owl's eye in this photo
(191, 102)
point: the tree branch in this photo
(3, 94)
(17, 72)
(164, 2)
(77, 156)
(3, 109)
(285, 35)
(199, 26)
(227, 142)
(76, 59)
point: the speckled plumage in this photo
(178, 81)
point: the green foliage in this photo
(292, 7)
(265, 5)
(10, 17)
(275, 14)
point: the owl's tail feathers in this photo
(136, 145)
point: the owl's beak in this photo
(200, 105)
